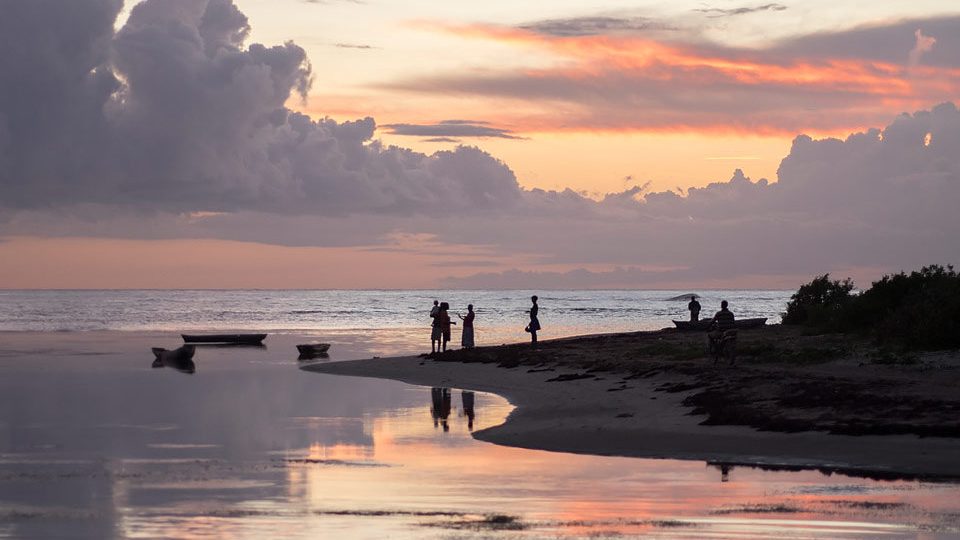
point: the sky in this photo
(372, 144)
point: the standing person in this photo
(534, 321)
(444, 317)
(434, 328)
(466, 339)
(694, 308)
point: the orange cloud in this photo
(630, 83)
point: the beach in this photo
(823, 402)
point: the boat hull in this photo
(313, 348)
(231, 339)
(706, 324)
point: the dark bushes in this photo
(819, 303)
(920, 310)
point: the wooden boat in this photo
(706, 324)
(231, 339)
(310, 349)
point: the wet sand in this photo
(829, 402)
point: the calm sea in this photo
(96, 443)
(501, 315)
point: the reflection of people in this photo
(466, 339)
(468, 408)
(534, 325)
(694, 308)
(724, 470)
(440, 407)
(444, 317)
(434, 327)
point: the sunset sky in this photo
(371, 144)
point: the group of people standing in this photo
(440, 327)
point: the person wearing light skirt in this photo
(466, 339)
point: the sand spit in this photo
(828, 402)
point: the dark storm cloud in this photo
(745, 10)
(451, 128)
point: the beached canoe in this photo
(705, 324)
(231, 339)
(308, 349)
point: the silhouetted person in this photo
(694, 308)
(444, 318)
(723, 336)
(723, 319)
(534, 325)
(468, 408)
(466, 339)
(440, 407)
(435, 331)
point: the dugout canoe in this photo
(224, 339)
(705, 324)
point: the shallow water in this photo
(96, 444)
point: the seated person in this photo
(723, 320)
(723, 333)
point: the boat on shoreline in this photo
(308, 350)
(227, 339)
(705, 324)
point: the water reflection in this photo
(468, 411)
(440, 407)
(180, 359)
(257, 448)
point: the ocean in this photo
(95, 442)
(501, 315)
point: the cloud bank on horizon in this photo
(174, 127)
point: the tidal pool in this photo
(94, 443)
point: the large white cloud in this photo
(173, 112)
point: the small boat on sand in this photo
(705, 324)
(313, 349)
(229, 339)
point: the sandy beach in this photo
(827, 402)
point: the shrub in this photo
(819, 303)
(920, 310)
